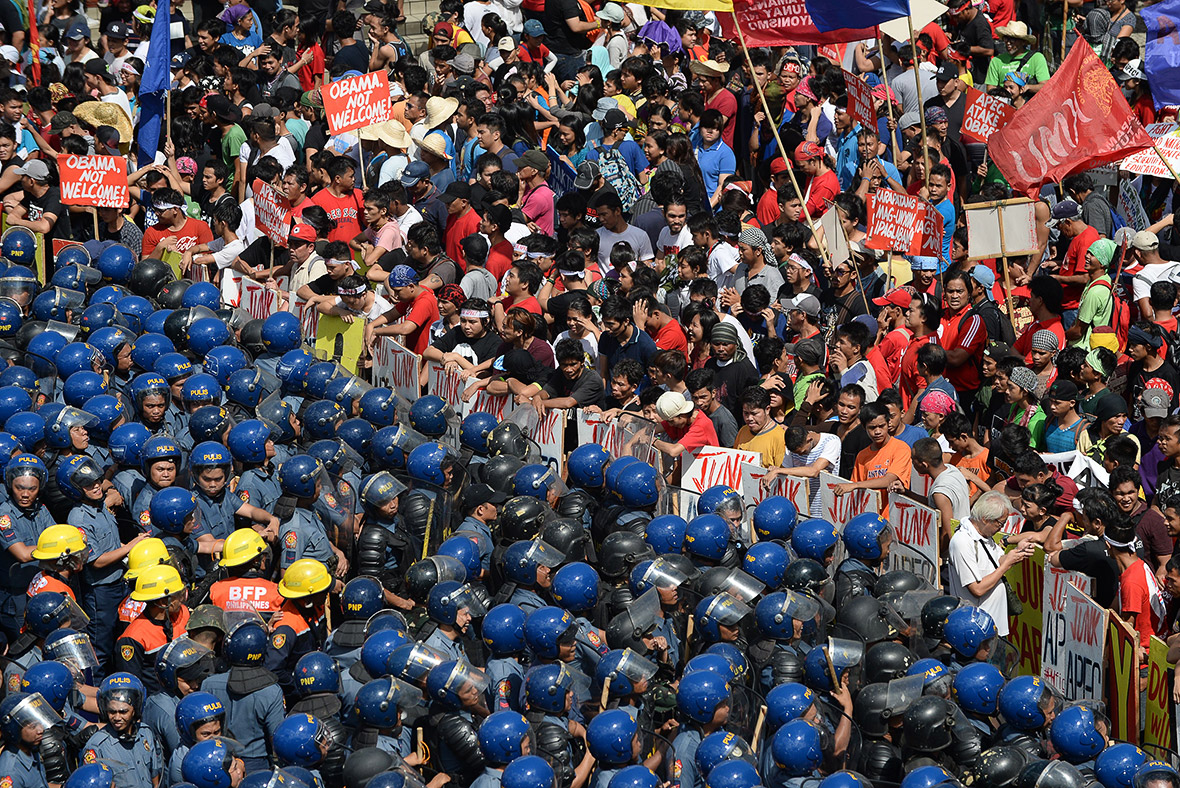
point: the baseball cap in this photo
(614, 119)
(604, 105)
(457, 190)
(414, 172)
(402, 276)
(35, 169)
(777, 165)
(533, 158)
(118, 29)
(109, 136)
(303, 232)
(78, 31)
(506, 44)
(62, 120)
(9, 53)
(1145, 240)
(1066, 209)
(1156, 403)
(97, 67)
(1063, 391)
(810, 351)
(985, 278)
(805, 303)
(478, 494)
(898, 296)
(672, 404)
(533, 27)
(947, 71)
(588, 173)
(463, 63)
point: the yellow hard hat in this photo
(59, 541)
(305, 577)
(242, 546)
(145, 555)
(157, 582)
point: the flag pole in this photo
(888, 103)
(921, 105)
(823, 246)
(1064, 25)
(1004, 262)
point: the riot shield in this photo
(1004, 656)
(745, 706)
(635, 437)
(679, 501)
(432, 511)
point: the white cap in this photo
(10, 54)
(672, 404)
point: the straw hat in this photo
(102, 113)
(708, 68)
(1018, 30)
(391, 132)
(435, 144)
(439, 110)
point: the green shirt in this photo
(1095, 308)
(801, 386)
(1036, 69)
(1035, 424)
(231, 145)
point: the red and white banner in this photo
(272, 213)
(895, 221)
(712, 465)
(933, 231)
(915, 538)
(1077, 121)
(257, 299)
(860, 101)
(984, 115)
(357, 102)
(772, 23)
(1146, 162)
(97, 181)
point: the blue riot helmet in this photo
(183, 658)
(18, 246)
(148, 348)
(302, 476)
(1077, 732)
(43, 616)
(529, 771)
(247, 441)
(316, 672)
(206, 333)
(626, 670)
(380, 701)
(798, 747)
(195, 710)
(208, 763)
(610, 737)
(319, 375)
(361, 599)
(391, 447)
(75, 255)
(345, 391)
(9, 445)
(825, 666)
(968, 629)
(42, 350)
(787, 701)
(635, 776)
(11, 319)
(81, 387)
(538, 481)
(281, 332)
(867, 537)
(455, 684)
(61, 428)
(721, 746)
(292, 369)
(357, 433)
(76, 474)
(246, 644)
(638, 485)
(447, 599)
(57, 303)
(700, 694)
(1115, 767)
(474, 431)
(815, 539)
(248, 387)
(379, 493)
(502, 630)
(768, 562)
(845, 779)
(122, 688)
(551, 687)
(733, 774)
(112, 342)
(20, 709)
(1156, 774)
(413, 662)
(204, 294)
(19, 376)
(223, 361)
(465, 551)
(707, 537)
(777, 613)
(718, 615)
(523, 559)
(154, 324)
(976, 688)
(378, 649)
(135, 310)
(664, 533)
(662, 573)
(278, 412)
(575, 587)
(125, 443)
(172, 509)
(51, 680)
(210, 423)
(209, 454)
(160, 448)
(108, 294)
(502, 735)
(548, 629)
(199, 390)
(717, 498)
(936, 677)
(13, 399)
(431, 415)
(378, 406)
(116, 263)
(1027, 703)
(587, 466)
(430, 463)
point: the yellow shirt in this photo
(771, 444)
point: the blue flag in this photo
(1162, 57)
(156, 80)
(836, 14)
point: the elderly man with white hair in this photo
(978, 562)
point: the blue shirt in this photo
(847, 156)
(715, 161)
(20, 769)
(304, 536)
(102, 536)
(947, 209)
(640, 347)
(135, 761)
(19, 525)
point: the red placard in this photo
(894, 222)
(97, 181)
(357, 102)
(771, 23)
(932, 231)
(860, 101)
(983, 116)
(272, 213)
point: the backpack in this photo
(616, 172)
(1120, 315)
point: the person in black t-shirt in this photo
(1096, 510)
(470, 343)
(352, 54)
(972, 37)
(41, 209)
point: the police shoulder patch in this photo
(127, 653)
(279, 640)
(14, 682)
(345, 487)
(330, 500)
(676, 769)
(6, 781)
(5, 521)
(291, 539)
(145, 517)
(244, 495)
(90, 757)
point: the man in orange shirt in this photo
(884, 461)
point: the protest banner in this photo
(860, 100)
(1074, 639)
(257, 299)
(1078, 120)
(915, 538)
(894, 219)
(1122, 680)
(561, 175)
(272, 213)
(837, 241)
(309, 316)
(1167, 138)
(448, 385)
(712, 465)
(357, 102)
(1130, 206)
(550, 437)
(339, 341)
(1019, 237)
(795, 489)
(97, 181)
(772, 23)
(983, 116)
(933, 234)
(1158, 730)
(1027, 580)
(396, 366)
(1161, 53)
(839, 509)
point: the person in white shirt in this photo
(355, 300)
(100, 80)
(675, 236)
(978, 563)
(809, 453)
(1146, 248)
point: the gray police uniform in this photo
(259, 488)
(20, 769)
(105, 588)
(135, 760)
(253, 717)
(451, 648)
(18, 525)
(526, 599)
(489, 779)
(684, 768)
(159, 714)
(304, 536)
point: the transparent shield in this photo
(843, 654)
(1004, 656)
(183, 652)
(744, 706)
(234, 619)
(679, 501)
(664, 574)
(911, 603)
(74, 650)
(545, 554)
(901, 693)
(636, 435)
(727, 610)
(635, 666)
(742, 585)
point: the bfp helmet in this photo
(967, 629)
(976, 688)
(501, 736)
(699, 695)
(814, 539)
(197, 709)
(122, 688)
(587, 466)
(609, 737)
(1076, 733)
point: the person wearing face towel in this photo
(733, 372)
(1110, 416)
(1145, 346)
(1096, 305)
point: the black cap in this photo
(479, 494)
(457, 190)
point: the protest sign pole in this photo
(1004, 263)
(360, 151)
(921, 105)
(95, 215)
(1164, 159)
(823, 246)
(855, 267)
(888, 103)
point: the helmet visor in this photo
(385, 619)
(664, 574)
(801, 607)
(184, 652)
(19, 290)
(401, 694)
(353, 389)
(644, 612)
(74, 650)
(423, 658)
(344, 459)
(86, 274)
(381, 488)
(902, 692)
(71, 299)
(34, 710)
(545, 554)
(71, 417)
(727, 609)
(235, 619)
(575, 680)
(465, 679)
(742, 585)
(635, 667)
(1156, 774)
(897, 625)
(911, 603)
(449, 568)
(465, 597)
(70, 615)
(67, 330)
(844, 654)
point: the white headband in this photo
(477, 313)
(574, 274)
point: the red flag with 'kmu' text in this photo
(1077, 121)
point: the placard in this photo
(396, 366)
(272, 212)
(796, 489)
(1158, 730)
(713, 465)
(1122, 680)
(983, 229)
(1146, 162)
(1074, 640)
(97, 181)
(339, 341)
(916, 538)
(860, 101)
(1027, 580)
(357, 102)
(561, 175)
(933, 229)
(983, 115)
(839, 509)
(834, 237)
(894, 222)
(448, 385)
(550, 437)
(1130, 206)
(260, 301)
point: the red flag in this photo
(1078, 121)
(34, 43)
(772, 23)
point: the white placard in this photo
(983, 230)
(1073, 636)
(916, 538)
(396, 366)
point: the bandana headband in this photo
(574, 274)
(481, 314)
(359, 290)
(1121, 545)
(355, 265)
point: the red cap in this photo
(805, 151)
(778, 165)
(304, 232)
(895, 297)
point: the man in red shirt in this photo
(780, 181)
(496, 221)
(1067, 216)
(1044, 300)
(717, 97)
(342, 200)
(173, 229)
(964, 337)
(1141, 602)
(893, 332)
(688, 429)
(462, 220)
(922, 319)
(662, 327)
(416, 307)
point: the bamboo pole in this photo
(921, 106)
(1004, 263)
(888, 103)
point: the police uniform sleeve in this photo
(154, 757)
(129, 656)
(294, 545)
(684, 768)
(273, 712)
(278, 653)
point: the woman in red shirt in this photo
(822, 183)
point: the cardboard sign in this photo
(836, 240)
(933, 230)
(894, 219)
(396, 366)
(272, 213)
(257, 299)
(1130, 206)
(561, 175)
(1146, 162)
(1122, 681)
(713, 465)
(795, 489)
(860, 101)
(338, 341)
(1027, 580)
(983, 116)
(1074, 640)
(1158, 730)
(550, 437)
(450, 387)
(983, 229)
(97, 181)
(916, 538)
(357, 102)
(839, 509)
